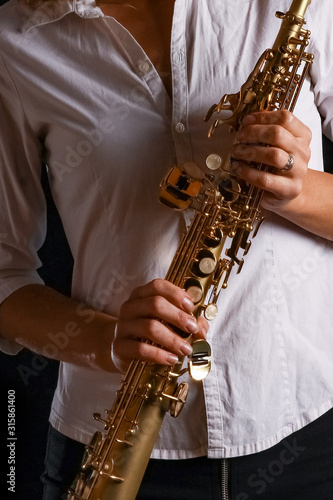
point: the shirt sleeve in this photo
(321, 45)
(22, 201)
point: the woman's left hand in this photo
(277, 139)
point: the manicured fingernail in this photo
(192, 326)
(188, 304)
(171, 359)
(186, 348)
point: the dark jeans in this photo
(298, 468)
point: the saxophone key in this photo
(79, 485)
(210, 112)
(169, 396)
(199, 362)
(204, 264)
(181, 395)
(207, 265)
(247, 247)
(229, 189)
(214, 161)
(144, 393)
(124, 441)
(210, 312)
(178, 190)
(240, 265)
(177, 375)
(222, 276)
(280, 15)
(92, 451)
(117, 479)
(106, 471)
(97, 416)
(131, 432)
(259, 222)
(212, 237)
(194, 289)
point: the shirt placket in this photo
(180, 104)
(180, 127)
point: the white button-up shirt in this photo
(78, 91)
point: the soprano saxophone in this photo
(226, 210)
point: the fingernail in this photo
(188, 304)
(192, 326)
(172, 359)
(186, 348)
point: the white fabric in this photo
(77, 90)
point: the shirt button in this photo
(180, 128)
(144, 67)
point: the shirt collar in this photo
(48, 11)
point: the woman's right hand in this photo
(141, 318)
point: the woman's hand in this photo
(277, 139)
(141, 317)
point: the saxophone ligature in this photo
(226, 212)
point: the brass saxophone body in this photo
(226, 210)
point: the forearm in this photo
(58, 327)
(313, 208)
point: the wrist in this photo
(119, 364)
(104, 347)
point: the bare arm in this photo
(58, 327)
(312, 209)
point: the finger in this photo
(282, 118)
(288, 134)
(152, 330)
(169, 291)
(144, 351)
(124, 350)
(272, 156)
(166, 349)
(158, 307)
(280, 186)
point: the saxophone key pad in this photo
(213, 161)
(211, 312)
(207, 265)
(194, 289)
